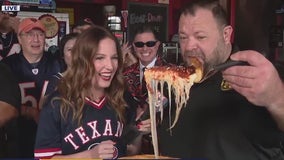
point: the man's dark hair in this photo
(146, 28)
(213, 5)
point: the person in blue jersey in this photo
(32, 68)
(8, 32)
(234, 114)
(10, 102)
(85, 116)
(65, 47)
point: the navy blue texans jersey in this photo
(56, 135)
(9, 45)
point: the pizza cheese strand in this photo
(179, 80)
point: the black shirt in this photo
(221, 125)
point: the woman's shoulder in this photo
(52, 99)
(51, 106)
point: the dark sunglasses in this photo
(148, 44)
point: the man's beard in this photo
(218, 55)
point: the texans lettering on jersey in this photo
(63, 136)
(9, 45)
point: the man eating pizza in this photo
(242, 121)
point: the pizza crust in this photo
(198, 68)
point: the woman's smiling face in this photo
(105, 63)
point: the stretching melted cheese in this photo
(179, 80)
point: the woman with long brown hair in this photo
(84, 118)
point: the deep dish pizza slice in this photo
(179, 79)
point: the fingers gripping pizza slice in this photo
(179, 79)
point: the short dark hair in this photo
(214, 6)
(146, 28)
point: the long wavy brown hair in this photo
(76, 83)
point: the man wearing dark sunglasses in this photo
(8, 37)
(146, 48)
